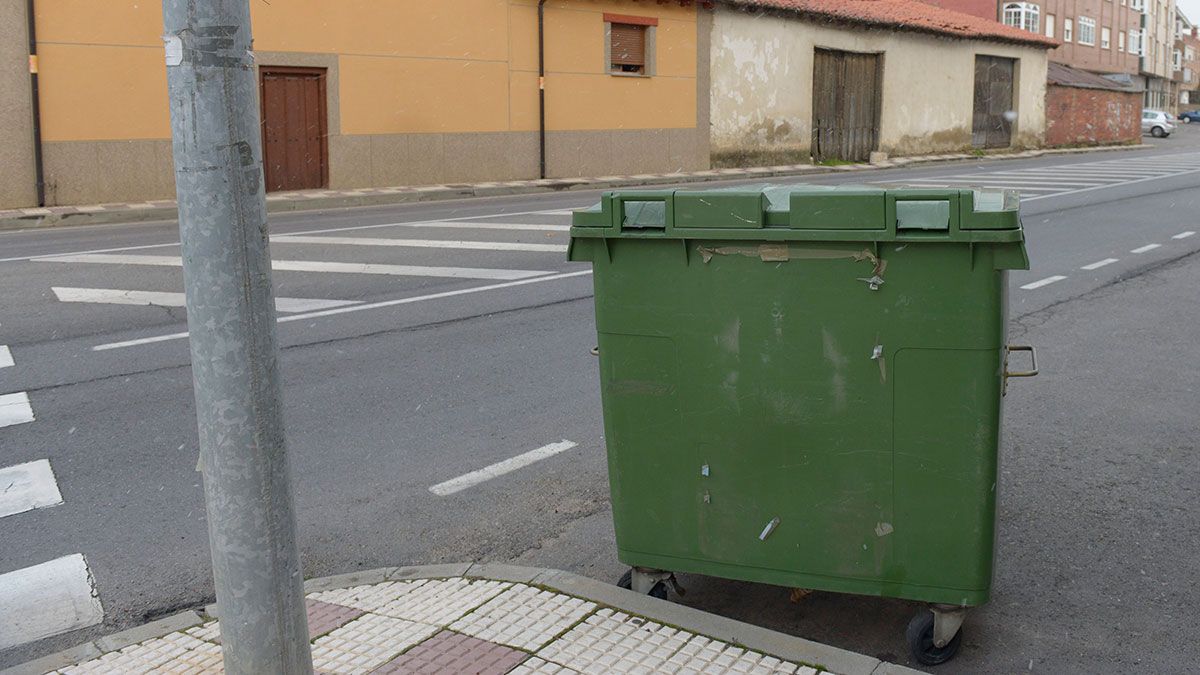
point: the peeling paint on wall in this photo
(762, 76)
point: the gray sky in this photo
(1191, 9)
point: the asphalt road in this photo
(1098, 545)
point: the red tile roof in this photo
(909, 15)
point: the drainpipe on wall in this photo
(39, 176)
(541, 88)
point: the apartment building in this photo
(1184, 62)
(1156, 69)
(1100, 36)
(1130, 41)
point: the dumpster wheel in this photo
(921, 642)
(659, 590)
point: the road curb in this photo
(317, 200)
(780, 645)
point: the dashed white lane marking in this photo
(116, 296)
(359, 308)
(1098, 265)
(28, 486)
(47, 599)
(424, 243)
(1183, 235)
(315, 266)
(6, 359)
(500, 468)
(15, 409)
(1043, 282)
(1147, 247)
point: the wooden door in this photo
(846, 103)
(295, 155)
(991, 126)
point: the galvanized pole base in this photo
(231, 317)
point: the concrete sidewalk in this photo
(479, 619)
(309, 200)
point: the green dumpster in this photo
(802, 386)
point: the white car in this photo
(1157, 123)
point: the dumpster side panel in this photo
(946, 438)
(646, 453)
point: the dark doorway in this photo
(846, 101)
(293, 128)
(990, 123)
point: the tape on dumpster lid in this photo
(784, 253)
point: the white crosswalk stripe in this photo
(6, 359)
(1045, 182)
(47, 599)
(314, 266)
(423, 243)
(116, 296)
(28, 486)
(465, 225)
(52, 597)
(15, 409)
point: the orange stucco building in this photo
(364, 93)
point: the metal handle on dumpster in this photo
(1021, 373)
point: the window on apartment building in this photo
(1105, 38)
(630, 44)
(1176, 60)
(1136, 44)
(1087, 31)
(1049, 25)
(1139, 5)
(1121, 41)
(1189, 54)
(1068, 30)
(1022, 15)
(1187, 76)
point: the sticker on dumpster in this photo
(769, 529)
(174, 49)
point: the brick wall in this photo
(1077, 116)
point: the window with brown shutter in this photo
(627, 48)
(630, 43)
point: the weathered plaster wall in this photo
(762, 69)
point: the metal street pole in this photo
(231, 317)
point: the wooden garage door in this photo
(990, 123)
(846, 100)
(293, 128)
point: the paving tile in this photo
(450, 652)
(366, 643)
(441, 601)
(537, 666)
(368, 597)
(524, 617)
(324, 616)
(704, 655)
(609, 641)
(164, 654)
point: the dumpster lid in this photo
(807, 212)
